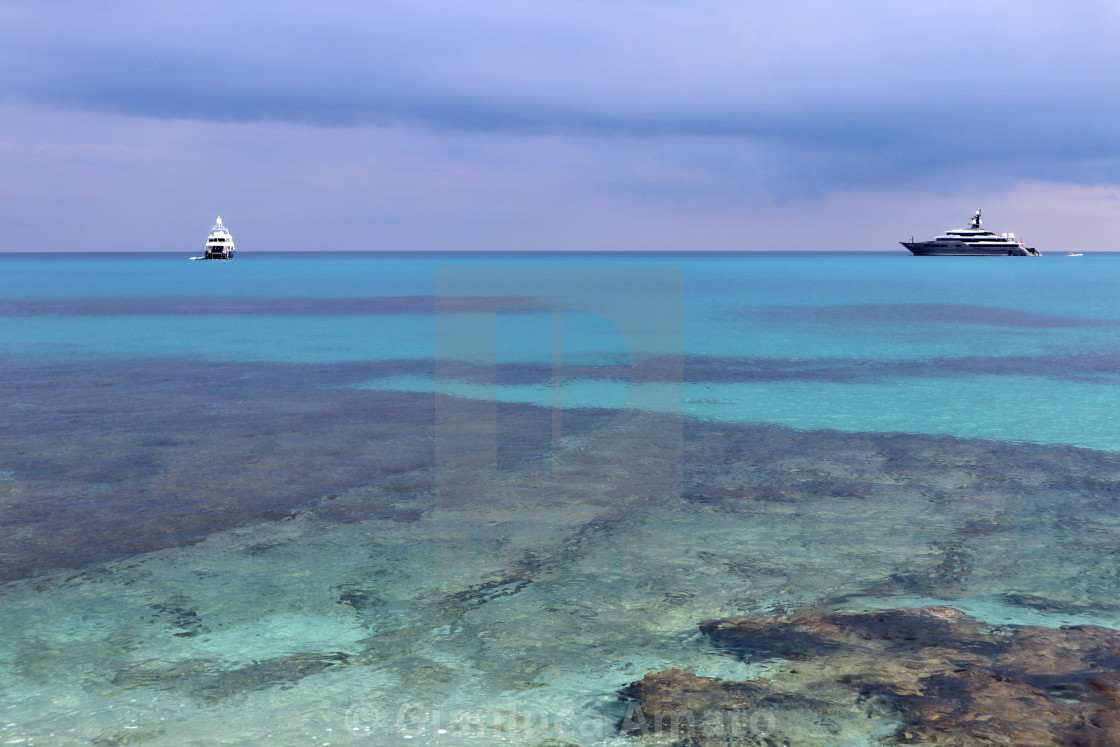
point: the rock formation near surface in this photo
(931, 676)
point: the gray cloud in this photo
(914, 83)
(551, 123)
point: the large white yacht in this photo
(219, 244)
(971, 242)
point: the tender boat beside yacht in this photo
(971, 242)
(219, 244)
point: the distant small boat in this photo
(219, 244)
(1076, 254)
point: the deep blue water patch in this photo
(108, 459)
(1102, 366)
(1076, 366)
(921, 314)
(291, 306)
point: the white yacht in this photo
(219, 244)
(971, 242)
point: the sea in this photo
(466, 499)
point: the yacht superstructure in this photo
(971, 242)
(219, 244)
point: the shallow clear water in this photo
(440, 499)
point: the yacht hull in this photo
(923, 249)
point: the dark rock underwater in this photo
(947, 679)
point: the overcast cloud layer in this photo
(556, 124)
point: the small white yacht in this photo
(971, 242)
(219, 244)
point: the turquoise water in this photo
(456, 499)
(1015, 351)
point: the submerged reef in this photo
(936, 674)
(213, 539)
(104, 460)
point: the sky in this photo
(442, 125)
